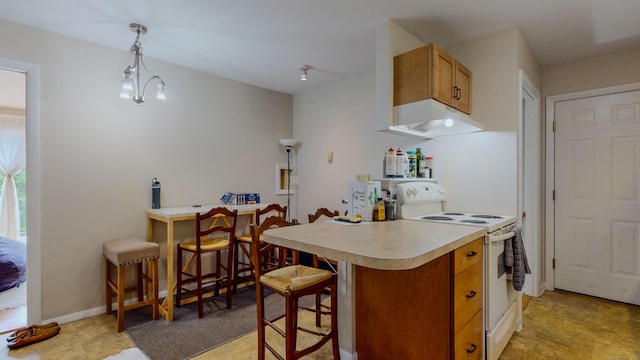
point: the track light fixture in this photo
(304, 68)
(131, 75)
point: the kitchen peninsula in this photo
(398, 285)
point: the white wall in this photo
(592, 73)
(479, 170)
(99, 152)
(338, 117)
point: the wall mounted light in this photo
(131, 75)
(304, 68)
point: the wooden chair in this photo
(131, 251)
(243, 246)
(316, 262)
(291, 282)
(215, 233)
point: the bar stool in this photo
(243, 245)
(131, 251)
(322, 212)
(292, 282)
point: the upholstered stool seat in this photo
(131, 251)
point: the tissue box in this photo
(240, 198)
(363, 196)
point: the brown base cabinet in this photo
(430, 312)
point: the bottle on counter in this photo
(400, 164)
(155, 193)
(412, 172)
(390, 164)
(379, 211)
(429, 166)
(420, 163)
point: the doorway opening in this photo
(13, 201)
(530, 193)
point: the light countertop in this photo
(384, 245)
(180, 211)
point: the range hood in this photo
(430, 118)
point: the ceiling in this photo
(263, 42)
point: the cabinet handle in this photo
(471, 294)
(472, 254)
(473, 348)
(455, 93)
(458, 93)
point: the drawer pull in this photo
(471, 294)
(473, 348)
(472, 254)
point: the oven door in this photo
(500, 297)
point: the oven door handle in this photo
(495, 238)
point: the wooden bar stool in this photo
(243, 246)
(322, 212)
(131, 251)
(292, 282)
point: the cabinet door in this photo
(443, 76)
(467, 344)
(462, 88)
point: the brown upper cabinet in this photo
(429, 72)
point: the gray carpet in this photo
(188, 336)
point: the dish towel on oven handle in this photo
(516, 258)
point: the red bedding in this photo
(13, 263)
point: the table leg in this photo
(149, 263)
(170, 280)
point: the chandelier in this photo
(131, 75)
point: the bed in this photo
(13, 263)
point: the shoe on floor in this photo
(26, 330)
(33, 336)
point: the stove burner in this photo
(474, 221)
(437, 218)
(487, 216)
(454, 214)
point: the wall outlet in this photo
(330, 157)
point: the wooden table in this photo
(172, 215)
(380, 254)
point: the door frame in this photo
(530, 179)
(32, 118)
(550, 166)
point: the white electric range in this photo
(424, 201)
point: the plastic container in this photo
(413, 171)
(428, 162)
(390, 163)
(420, 172)
(379, 211)
(400, 163)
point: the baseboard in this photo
(100, 310)
(346, 355)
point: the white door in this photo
(597, 189)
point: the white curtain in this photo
(13, 158)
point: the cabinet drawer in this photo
(467, 255)
(467, 295)
(467, 344)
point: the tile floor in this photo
(558, 325)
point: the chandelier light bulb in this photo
(131, 75)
